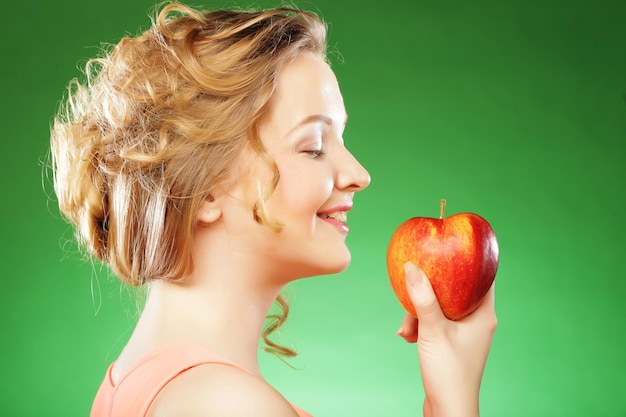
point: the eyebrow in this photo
(314, 118)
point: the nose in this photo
(351, 175)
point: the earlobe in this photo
(209, 211)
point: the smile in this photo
(340, 216)
(337, 217)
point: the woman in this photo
(204, 160)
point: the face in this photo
(303, 132)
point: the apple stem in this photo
(442, 207)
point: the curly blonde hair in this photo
(157, 124)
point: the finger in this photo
(422, 295)
(408, 329)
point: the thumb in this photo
(422, 295)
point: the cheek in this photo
(302, 192)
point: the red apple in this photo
(459, 254)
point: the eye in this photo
(314, 153)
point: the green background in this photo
(515, 110)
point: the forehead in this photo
(306, 86)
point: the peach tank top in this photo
(133, 395)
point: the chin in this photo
(332, 260)
(338, 264)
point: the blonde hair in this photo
(157, 124)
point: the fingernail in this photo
(413, 275)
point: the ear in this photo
(209, 211)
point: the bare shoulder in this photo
(217, 390)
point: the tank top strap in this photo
(137, 389)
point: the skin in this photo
(452, 354)
(241, 266)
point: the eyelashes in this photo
(314, 153)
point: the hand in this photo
(452, 354)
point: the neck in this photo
(225, 315)
(222, 305)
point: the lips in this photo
(336, 216)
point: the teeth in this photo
(340, 216)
